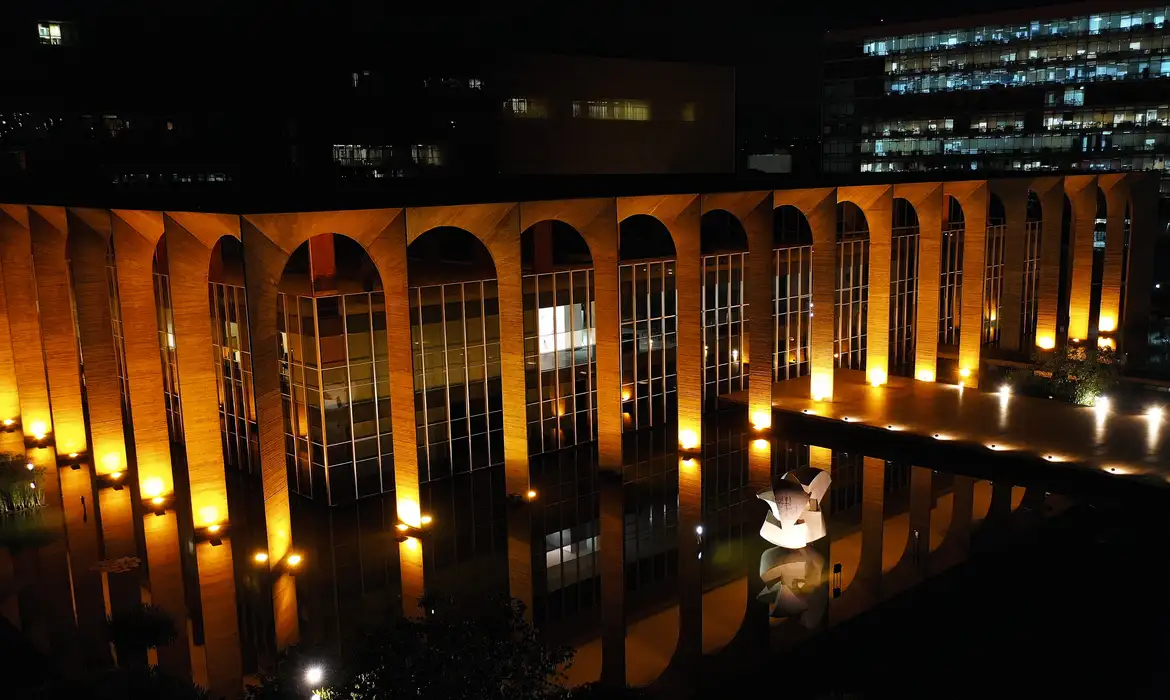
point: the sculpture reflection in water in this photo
(796, 585)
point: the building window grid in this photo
(845, 489)
(317, 444)
(725, 326)
(455, 332)
(951, 278)
(232, 356)
(561, 386)
(725, 495)
(994, 250)
(165, 319)
(792, 311)
(905, 238)
(852, 292)
(118, 333)
(1125, 231)
(649, 321)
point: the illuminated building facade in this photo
(1078, 87)
(357, 354)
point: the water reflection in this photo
(752, 544)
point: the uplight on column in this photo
(39, 430)
(688, 440)
(762, 420)
(878, 376)
(821, 387)
(925, 375)
(1107, 324)
(1045, 342)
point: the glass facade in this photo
(903, 289)
(232, 356)
(852, 297)
(649, 340)
(792, 311)
(950, 297)
(459, 416)
(560, 360)
(165, 318)
(650, 508)
(994, 247)
(336, 392)
(725, 326)
(119, 334)
(568, 517)
(1058, 93)
(1030, 299)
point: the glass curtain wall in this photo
(950, 296)
(725, 326)
(903, 289)
(560, 359)
(1030, 299)
(116, 329)
(792, 311)
(232, 356)
(993, 255)
(649, 340)
(165, 319)
(852, 298)
(459, 411)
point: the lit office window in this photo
(615, 110)
(852, 292)
(424, 154)
(165, 318)
(649, 324)
(335, 381)
(526, 107)
(724, 306)
(791, 293)
(903, 289)
(351, 155)
(950, 298)
(49, 33)
(232, 355)
(994, 247)
(1030, 299)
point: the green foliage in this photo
(1074, 374)
(17, 490)
(458, 650)
(141, 628)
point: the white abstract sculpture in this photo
(795, 518)
(794, 584)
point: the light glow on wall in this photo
(822, 386)
(925, 375)
(410, 512)
(878, 376)
(761, 420)
(1045, 342)
(688, 439)
(39, 429)
(1107, 324)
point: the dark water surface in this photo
(940, 580)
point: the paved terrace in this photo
(1016, 429)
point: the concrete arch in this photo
(927, 201)
(819, 207)
(1014, 196)
(790, 227)
(1050, 193)
(90, 234)
(1119, 200)
(972, 198)
(720, 231)
(1081, 191)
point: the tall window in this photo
(792, 297)
(852, 294)
(336, 390)
(791, 292)
(335, 379)
(649, 323)
(616, 110)
(165, 320)
(1124, 267)
(903, 288)
(950, 298)
(560, 359)
(459, 411)
(118, 333)
(1030, 299)
(725, 326)
(994, 246)
(649, 341)
(232, 354)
